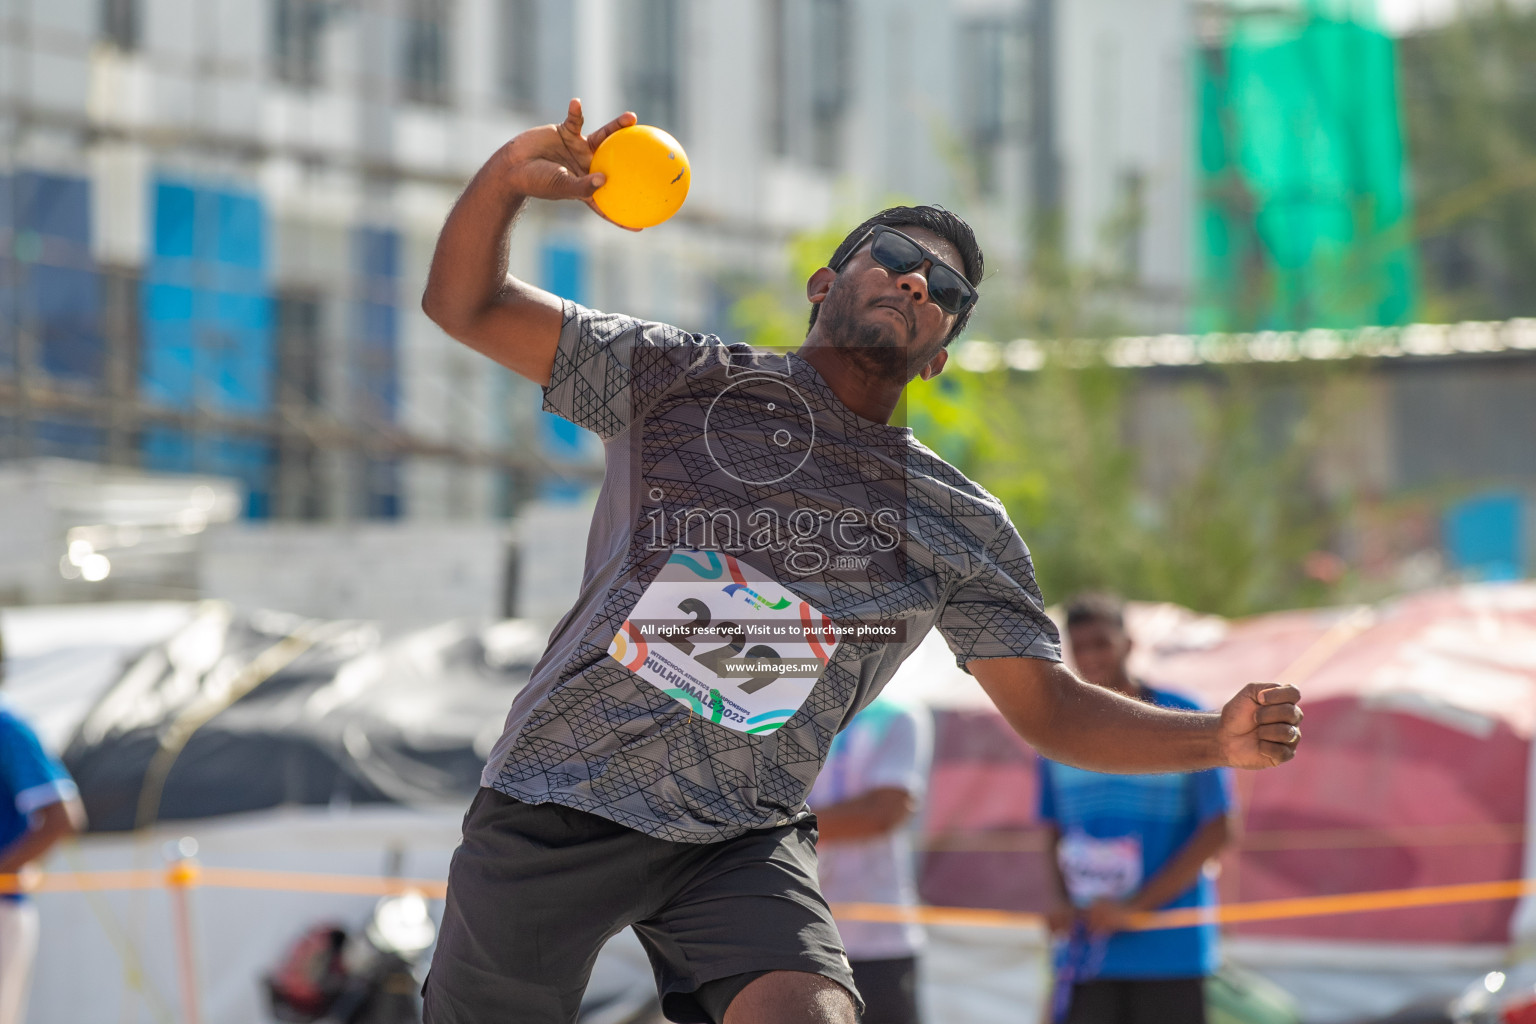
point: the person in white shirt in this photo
(873, 782)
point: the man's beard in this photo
(867, 343)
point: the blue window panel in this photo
(8, 313)
(377, 324)
(238, 353)
(66, 312)
(167, 376)
(167, 450)
(562, 491)
(565, 271)
(53, 205)
(66, 437)
(565, 274)
(247, 460)
(376, 359)
(1485, 536)
(207, 309)
(175, 218)
(562, 441)
(375, 334)
(227, 277)
(377, 253)
(241, 231)
(562, 438)
(381, 489)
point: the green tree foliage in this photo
(1469, 103)
(1229, 529)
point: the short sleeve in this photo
(901, 757)
(997, 612)
(1211, 791)
(1047, 804)
(33, 779)
(610, 368)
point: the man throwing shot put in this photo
(766, 550)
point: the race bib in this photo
(731, 645)
(1099, 869)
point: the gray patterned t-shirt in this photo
(745, 452)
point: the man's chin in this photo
(888, 362)
(876, 344)
(876, 335)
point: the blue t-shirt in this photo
(1117, 832)
(29, 778)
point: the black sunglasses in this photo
(948, 289)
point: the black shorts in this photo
(535, 890)
(1138, 1001)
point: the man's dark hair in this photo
(941, 222)
(1097, 606)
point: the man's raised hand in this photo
(553, 161)
(1261, 726)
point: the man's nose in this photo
(916, 283)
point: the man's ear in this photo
(820, 284)
(935, 365)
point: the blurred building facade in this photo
(218, 213)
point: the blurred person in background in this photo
(872, 784)
(1126, 844)
(39, 807)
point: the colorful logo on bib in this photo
(770, 720)
(629, 647)
(713, 571)
(713, 708)
(687, 637)
(755, 599)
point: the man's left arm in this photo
(1074, 722)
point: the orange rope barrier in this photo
(194, 876)
(188, 875)
(297, 881)
(1343, 903)
(1235, 913)
(1269, 840)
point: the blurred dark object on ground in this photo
(238, 713)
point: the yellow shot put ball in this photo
(647, 176)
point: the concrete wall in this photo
(402, 575)
(55, 513)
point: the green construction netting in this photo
(1303, 212)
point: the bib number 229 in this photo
(692, 635)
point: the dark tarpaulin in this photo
(349, 719)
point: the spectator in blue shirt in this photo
(38, 806)
(1124, 844)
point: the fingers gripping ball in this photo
(647, 174)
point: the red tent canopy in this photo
(1413, 771)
